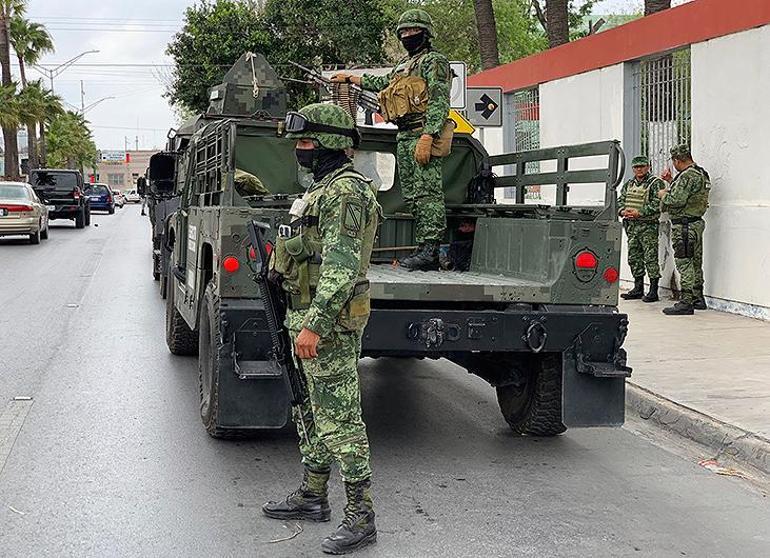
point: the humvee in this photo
(535, 313)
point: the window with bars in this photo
(663, 88)
(211, 155)
(526, 130)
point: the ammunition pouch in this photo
(684, 246)
(405, 95)
(355, 313)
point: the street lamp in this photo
(51, 73)
(92, 105)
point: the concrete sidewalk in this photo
(706, 377)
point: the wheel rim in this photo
(515, 400)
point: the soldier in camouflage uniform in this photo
(321, 259)
(415, 97)
(686, 202)
(640, 209)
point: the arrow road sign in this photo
(485, 106)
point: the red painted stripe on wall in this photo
(689, 23)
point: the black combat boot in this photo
(357, 529)
(309, 501)
(425, 257)
(699, 303)
(652, 294)
(637, 292)
(679, 309)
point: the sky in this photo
(131, 38)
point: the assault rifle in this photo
(274, 301)
(364, 99)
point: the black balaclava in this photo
(415, 43)
(321, 161)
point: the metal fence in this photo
(663, 87)
(526, 129)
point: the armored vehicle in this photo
(62, 191)
(528, 301)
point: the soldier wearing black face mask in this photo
(415, 97)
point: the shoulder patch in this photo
(352, 218)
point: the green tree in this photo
(30, 41)
(9, 106)
(32, 105)
(53, 107)
(215, 34)
(561, 19)
(8, 9)
(70, 142)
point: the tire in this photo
(88, 216)
(80, 219)
(34, 238)
(163, 287)
(44, 233)
(534, 409)
(181, 340)
(111, 210)
(210, 354)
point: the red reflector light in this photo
(611, 275)
(231, 264)
(269, 248)
(586, 260)
(252, 253)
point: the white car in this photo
(120, 200)
(132, 197)
(21, 212)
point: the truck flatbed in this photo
(390, 282)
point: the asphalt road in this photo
(111, 459)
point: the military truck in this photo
(535, 314)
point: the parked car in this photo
(120, 199)
(62, 191)
(133, 197)
(21, 212)
(100, 196)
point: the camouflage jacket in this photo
(650, 211)
(433, 67)
(688, 195)
(348, 215)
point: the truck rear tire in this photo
(88, 216)
(163, 287)
(534, 409)
(211, 352)
(181, 340)
(80, 219)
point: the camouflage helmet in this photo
(681, 152)
(640, 161)
(415, 18)
(329, 125)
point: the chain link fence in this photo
(526, 129)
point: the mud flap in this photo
(592, 398)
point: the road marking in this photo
(11, 422)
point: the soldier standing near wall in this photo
(686, 202)
(321, 260)
(415, 97)
(640, 209)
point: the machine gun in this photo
(274, 301)
(364, 99)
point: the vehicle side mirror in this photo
(141, 185)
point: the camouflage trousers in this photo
(643, 249)
(423, 189)
(335, 426)
(688, 255)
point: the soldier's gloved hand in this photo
(341, 77)
(422, 150)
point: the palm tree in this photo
(9, 8)
(485, 23)
(30, 41)
(53, 107)
(654, 6)
(32, 105)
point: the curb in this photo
(725, 439)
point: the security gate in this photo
(663, 87)
(526, 134)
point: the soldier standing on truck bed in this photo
(686, 202)
(321, 259)
(415, 97)
(640, 209)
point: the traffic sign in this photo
(459, 71)
(462, 126)
(485, 106)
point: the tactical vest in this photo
(406, 95)
(698, 202)
(299, 246)
(636, 195)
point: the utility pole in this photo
(82, 98)
(137, 143)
